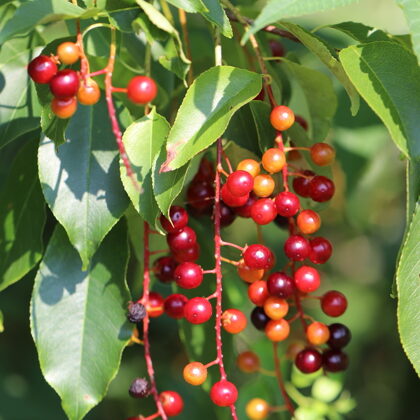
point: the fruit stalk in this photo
(280, 381)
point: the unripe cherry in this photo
(258, 292)
(263, 185)
(277, 330)
(317, 333)
(240, 183)
(257, 409)
(224, 393)
(155, 305)
(64, 108)
(178, 218)
(249, 165)
(88, 93)
(188, 275)
(282, 118)
(247, 274)
(172, 403)
(248, 362)
(263, 211)
(42, 69)
(307, 279)
(322, 154)
(198, 310)
(273, 160)
(308, 221)
(276, 308)
(68, 52)
(287, 204)
(141, 89)
(195, 373)
(234, 321)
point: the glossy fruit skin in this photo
(178, 219)
(258, 292)
(64, 84)
(287, 204)
(308, 360)
(188, 275)
(301, 184)
(257, 409)
(42, 69)
(277, 48)
(232, 200)
(263, 211)
(307, 279)
(317, 333)
(141, 90)
(240, 183)
(249, 165)
(321, 189)
(333, 303)
(276, 308)
(89, 93)
(172, 403)
(182, 239)
(64, 108)
(234, 321)
(297, 248)
(259, 318)
(273, 160)
(277, 330)
(200, 195)
(308, 221)
(155, 306)
(245, 210)
(340, 336)
(68, 52)
(282, 118)
(227, 215)
(334, 360)
(249, 275)
(174, 305)
(224, 393)
(322, 154)
(280, 285)
(263, 185)
(321, 250)
(195, 373)
(258, 257)
(248, 362)
(188, 255)
(164, 269)
(198, 310)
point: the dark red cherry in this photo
(164, 268)
(281, 285)
(245, 210)
(182, 239)
(334, 360)
(258, 257)
(200, 195)
(64, 84)
(178, 219)
(301, 184)
(42, 69)
(321, 189)
(188, 255)
(259, 318)
(297, 248)
(174, 305)
(321, 250)
(340, 336)
(287, 204)
(263, 211)
(227, 215)
(308, 360)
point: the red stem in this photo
(97, 73)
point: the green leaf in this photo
(143, 141)
(191, 6)
(320, 97)
(78, 319)
(408, 285)
(217, 16)
(328, 56)
(206, 110)
(372, 69)
(80, 180)
(360, 32)
(280, 9)
(53, 127)
(411, 9)
(22, 218)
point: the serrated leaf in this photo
(411, 9)
(206, 110)
(408, 285)
(80, 180)
(143, 141)
(276, 10)
(22, 218)
(217, 16)
(371, 68)
(78, 319)
(191, 6)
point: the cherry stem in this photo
(280, 381)
(160, 251)
(97, 73)
(119, 90)
(183, 21)
(289, 149)
(279, 141)
(298, 301)
(227, 160)
(224, 243)
(213, 271)
(235, 263)
(222, 171)
(210, 364)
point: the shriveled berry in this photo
(178, 218)
(141, 89)
(297, 248)
(307, 279)
(248, 362)
(245, 210)
(164, 269)
(340, 336)
(233, 321)
(259, 318)
(334, 360)
(195, 373)
(136, 312)
(281, 285)
(258, 292)
(301, 183)
(139, 388)
(317, 333)
(249, 165)
(172, 403)
(308, 221)
(287, 204)
(247, 274)
(42, 69)
(64, 84)
(182, 239)
(232, 200)
(188, 275)
(321, 189)
(155, 305)
(224, 393)
(333, 303)
(174, 305)
(308, 360)
(88, 93)
(240, 183)
(263, 211)
(64, 108)
(258, 257)
(68, 52)
(273, 160)
(322, 154)
(276, 308)
(263, 185)
(277, 330)
(257, 409)
(282, 118)
(198, 310)
(321, 250)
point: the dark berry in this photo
(297, 248)
(333, 303)
(200, 196)
(308, 360)
(259, 318)
(205, 171)
(277, 48)
(64, 84)
(227, 215)
(334, 360)
(183, 239)
(301, 184)
(174, 305)
(282, 222)
(42, 69)
(136, 312)
(198, 310)
(263, 211)
(287, 204)
(340, 336)
(258, 257)
(164, 268)
(281, 285)
(178, 219)
(224, 393)
(139, 388)
(141, 89)
(321, 189)
(321, 250)
(240, 183)
(188, 275)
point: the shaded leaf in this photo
(411, 9)
(191, 6)
(217, 15)
(361, 32)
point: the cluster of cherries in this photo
(69, 86)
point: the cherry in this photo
(321, 189)
(198, 310)
(188, 275)
(247, 274)
(64, 84)
(302, 122)
(340, 336)
(68, 52)
(245, 210)
(172, 403)
(64, 108)
(277, 330)
(258, 257)
(263, 211)
(233, 200)
(195, 373)
(301, 183)
(188, 255)
(287, 204)
(322, 154)
(155, 305)
(227, 215)
(259, 318)
(248, 362)
(141, 89)
(281, 285)
(282, 118)
(205, 171)
(249, 165)
(263, 185)
(333, 303)
(307, 279)
(257, 409)
(200, 195)
(164, 268)
(297, 248)
(240, 183)
(178, 218)
(224, 393)
(234, 321)
(88, 93)
(334, 360)
(273, 160)
(182, 239)
(308, 360)
(276, 308)
(174, 305)
(277, 48)
(317, 333)
(308, 221)
(293, 349)
(258, 292)
(321, 250)
(42, 69)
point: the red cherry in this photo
(245, 210)
(258, 292)
(172, 403)
(188, 255)
(333, 303)
(232, 200)
(297, 248)
(287, 204)
(188, 275)
(200, 195)
(182, 239)
(308, 360)
(64, 84)
(301, 184)
(307, 279)
(258, 257)
(174, 305)
(321, 189)
(263, 211)
(321, 250)
(155, 304)
(164, 268)
(281, 285)
(42, 69)
(141, 89)
(224, 393)
(198, 310)
(240, 183)
(178, 219)
(233, 321)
